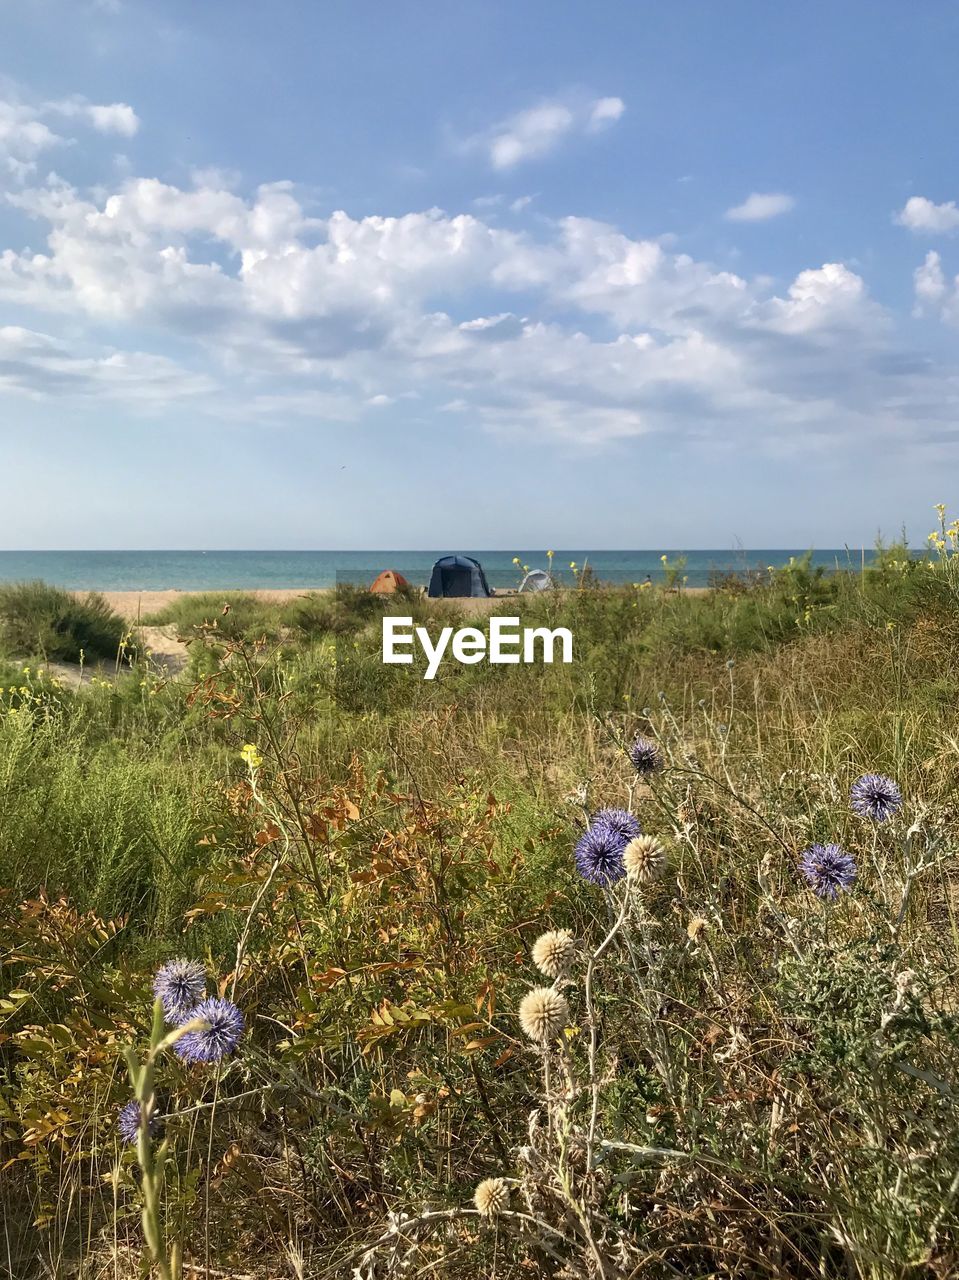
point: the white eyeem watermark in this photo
(506, 643)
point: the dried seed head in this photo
(553, 952)
(491, 1197)
(735, 1247)
(906, 982)
(543, 1013)
(576, 1151)
(645, 859)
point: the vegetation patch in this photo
(38, 620)
(640, 966)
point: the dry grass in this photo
(373, 892)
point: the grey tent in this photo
(537, 580)
(458, 576)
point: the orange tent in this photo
(388, 582)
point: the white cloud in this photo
(935, 292)
(25, 133)
(494, 328)
(920, 214)
(929, 281)
(823, 299)
(115, 118)
(536, 131)
(529, 134)
(38, 366)
(23, 136)
(760, 207)
(497, 201)
(344, 316)
(605, 111)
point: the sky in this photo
(477, 275)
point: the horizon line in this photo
(659, 547)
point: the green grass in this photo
(38, 620)
(106, 824)
(385, 874)
(229, 613)
(347, 609)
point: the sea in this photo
(252, 570)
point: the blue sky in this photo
(477, 275)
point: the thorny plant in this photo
(751, 1061)
(746, 1091)
(203, 1031)
(167, 1257)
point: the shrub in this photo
(232, 613)
(38, 619)
(345, 610)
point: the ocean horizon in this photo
(262, 570)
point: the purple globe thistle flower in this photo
(623, 825)
(217, 1040)
(827, 869)
(875, 796)
(178, 986)
(645, 757)
(599, 851)
(128, 1122)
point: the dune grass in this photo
(773, 1075)
(229, 612)
(39, 620)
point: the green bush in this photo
(40, 620)
(231, 613)
(345, 610)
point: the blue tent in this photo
(458, 576)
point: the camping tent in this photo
(458, 576)
(388, 581)
(536, 580)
